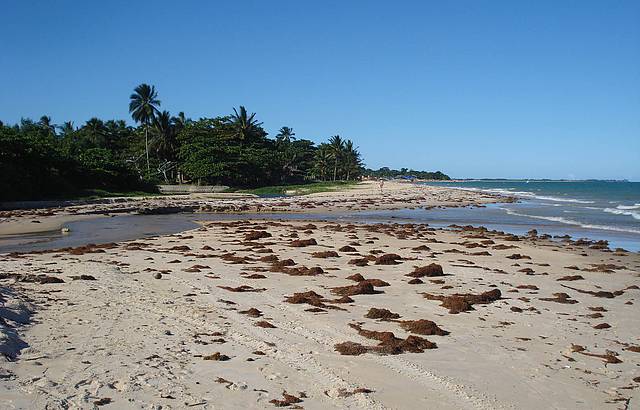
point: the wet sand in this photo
(364, 196)
(259, 314)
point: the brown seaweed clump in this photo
(560, 297)
(431, 270)
(346, 393)
(83, 277)
(608, 357)
(242, 288)
(599, 293)
(255, 276)
(41, 279)
(351, 348)
(423, 327)
(254, 235)
(264, 324)
(287, 400)
(310, 298)
(359, 262)
(375, 282)
(325, 254)
(217, 356)
(501, 247)
(517, 256)
(300, 271)
(279, 265)
(348, 248)
(356, 277)
(570, 278)
(603, 267)
(389, 343)
(457, 303)
(383, 314)
(362, 288)
(301, 243)
(388, 259)
(316, 300)
(253, 312)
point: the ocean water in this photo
(598, 209)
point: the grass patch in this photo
(101, 193)
(303, 189)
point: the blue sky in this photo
(473, 88)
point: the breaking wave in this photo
(572, 222)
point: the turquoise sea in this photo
(598, 209)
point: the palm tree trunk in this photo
(335, 169)
(146, 144)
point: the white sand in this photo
(139, 341)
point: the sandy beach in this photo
(316, 315)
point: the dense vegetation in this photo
(43, 160)
(404, 172)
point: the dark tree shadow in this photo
(12, 317)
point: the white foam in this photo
(526, 194)
(623, 211)
(636, 206)
(572, 222)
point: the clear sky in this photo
(473, 88)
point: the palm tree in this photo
(45, 122)
(321, 165)
(285, 135)
(352, 160)
(165, 142)
(336, 148)
(143, 107)
(95, 130)
(245, 126)
(180, 121)
(66, 128)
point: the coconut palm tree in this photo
(180, 121)
(336, 149)
(45, 122)
(165, 129)
(285, 135)
(66, 128)
(165, 141)
(352, 160)
(245, 126)
(143, 107)
(95, 130)
(322, 161)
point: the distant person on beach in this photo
(381, 185)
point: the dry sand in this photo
(216, 329)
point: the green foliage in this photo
(301, 189)
(212, 151)
(385, 172)
(41, 160)
(35, 163)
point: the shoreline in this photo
(358, 198)
(364, 196)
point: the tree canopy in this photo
(40, 160)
